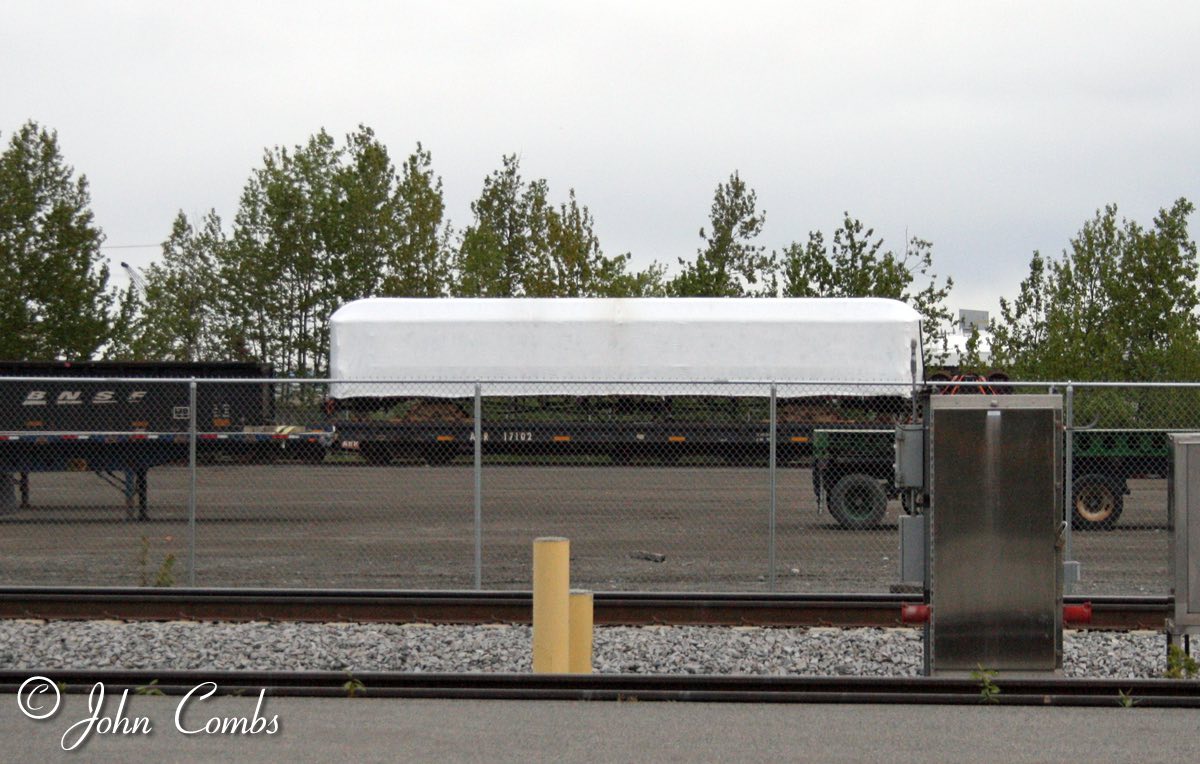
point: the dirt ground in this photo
(412, 527)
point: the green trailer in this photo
(853, 472)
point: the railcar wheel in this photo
(1096, 503)
(858, 501)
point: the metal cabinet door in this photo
(996, 476)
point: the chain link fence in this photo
(713, 487)
(1120, 454)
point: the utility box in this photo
(1183, 502)
(912, 549)
(910, 456)
(995, 534)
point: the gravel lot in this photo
(351, 526)
(441, 648)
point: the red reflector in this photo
(1078, 613)
(914, 613)
(207, 436)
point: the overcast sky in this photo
(990, 129)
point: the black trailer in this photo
(123, 396)
(118, 419)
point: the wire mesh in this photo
(341, 496)
(659, 486)
(1120, 454)
(76, 454)
(838, 505)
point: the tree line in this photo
(326, 222)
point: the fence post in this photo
(1069, 477)
(192, 478)
(771, 521)
(478, 488)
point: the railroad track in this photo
(611, 608)
(626, 687)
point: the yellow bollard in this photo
(581, 632)
(551, 605)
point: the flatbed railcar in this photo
(622, 379)
(622, 443)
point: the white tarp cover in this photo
(554, 346)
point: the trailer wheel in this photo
(1097, 502)
(858, 501)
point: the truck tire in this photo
(1096, 502)
(858, 501)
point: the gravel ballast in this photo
(190, 645)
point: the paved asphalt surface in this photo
(411, 526)
(345, 729)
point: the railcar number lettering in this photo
(516, 436)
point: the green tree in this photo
(975, 357)
(857, 265)
(520, 245)
(273, 272)
(729, 264)
(54, 296)
(319, 226)
(124, 323)
(497, 248)
(418, 260)
(178, 316)
(1120, 304)
(579, 267)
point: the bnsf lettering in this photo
(75, 398)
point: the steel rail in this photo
(625, 687)
(611, 608)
